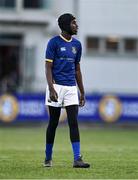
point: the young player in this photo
(63, 55)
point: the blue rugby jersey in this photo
(65, 55)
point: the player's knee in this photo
(53, 125)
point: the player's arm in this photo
(48, 68)
(80, 84)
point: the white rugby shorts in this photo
(67, 95)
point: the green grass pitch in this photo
(112, 153)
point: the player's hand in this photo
(82, 100)
(53, 95)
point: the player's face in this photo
(74, 26)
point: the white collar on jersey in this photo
(65, 38)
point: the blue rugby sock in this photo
(48, 151)
(76, 150)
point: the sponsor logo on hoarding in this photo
(31, 107)
(9, 108)
(89, 109)
(110, 108)
(130, 109)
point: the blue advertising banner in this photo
(110, 108)
(98, 108)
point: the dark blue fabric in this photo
(76, 150)
(48, 151)
(65, 56)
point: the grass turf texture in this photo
(112, 153)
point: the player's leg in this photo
(72, 114)
(54, 114)
(71, 103)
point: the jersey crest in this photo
(74, 50)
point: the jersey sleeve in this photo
(50, 51)
(79, 52)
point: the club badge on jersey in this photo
(74, 50)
